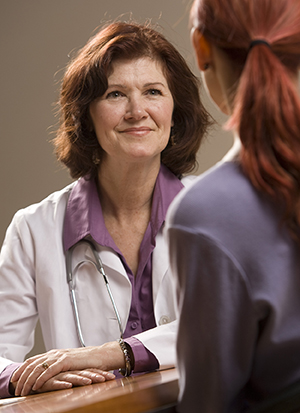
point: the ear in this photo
(202, 48)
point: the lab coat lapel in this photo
(160, 263)
(111, 260)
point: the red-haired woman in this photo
(131, 125)
(235, 234)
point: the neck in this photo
(124, 190)
(234, 151)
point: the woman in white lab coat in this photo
(131, 124)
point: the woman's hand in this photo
(37, 370)
(68, 379)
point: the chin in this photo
(143, 156)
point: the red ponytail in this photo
(267, 105)
(267, 117)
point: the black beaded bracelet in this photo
(128, 367)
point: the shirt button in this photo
(164, 319)
(134, 325)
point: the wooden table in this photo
(145, 393)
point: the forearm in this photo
(160, 342)
(144, 360)
(6, 387)
(217, 319)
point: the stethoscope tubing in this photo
(99, 266)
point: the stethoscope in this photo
(99, 266)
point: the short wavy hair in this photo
(86, 79)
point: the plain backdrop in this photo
(37, 38)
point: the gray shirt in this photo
(237, 273)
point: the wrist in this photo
(11, 387)
(128, 358)
(110, 356)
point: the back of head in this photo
(86, 79)
(262, 40)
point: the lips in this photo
(137, 131)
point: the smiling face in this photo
(132, 120)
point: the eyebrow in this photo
(116, 85)
(155, 83)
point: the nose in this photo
(135, 109)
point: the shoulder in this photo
(39, 222)
(221, 182)
(49, 208)
(188, 180)
(219, 201)
(217, 185)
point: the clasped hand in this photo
(61, 369)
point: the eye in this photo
(114, 94)
(154, 92)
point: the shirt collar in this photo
(84, 213)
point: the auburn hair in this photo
(85, 79)
(266, 110)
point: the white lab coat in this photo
(33, 285)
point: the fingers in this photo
(38, 382)
(97, 375)
(70, 379)
(37, 370)
(66, 380)
(17, 373)
(54, 384)
(94, 375)
(37, 379)
(36, 374)
(59, 361)
(28, 375)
